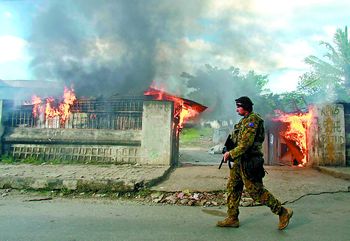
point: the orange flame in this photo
(63, 109)
(297, 125)
(68, 100)
(184, 110)
(37, 109)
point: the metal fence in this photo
(117, 114)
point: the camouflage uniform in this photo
(248, 135)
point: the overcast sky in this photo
(42, 39)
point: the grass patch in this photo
(195, 135)
(32, 160)
(7, 159)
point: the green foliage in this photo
(287, 102)
(7, 159)
(32, 160)
(65, 191)
(230, 84)
(218, 88)
(329, 77)
(144, 192)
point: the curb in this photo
(31, 183)
(116, 184)
(333, 173)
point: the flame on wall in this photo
(51, 110)
(184, 109)
(297, 125)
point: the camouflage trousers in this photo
(256, 190)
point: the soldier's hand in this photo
(226, 156)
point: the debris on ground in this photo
(186, 198)
(183, 198)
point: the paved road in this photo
(198, 156)
(286, 183)
(321, 217)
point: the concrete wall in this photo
(327, 136)
(155, 144)
(72, 136)
(75, 145)
(157, 133)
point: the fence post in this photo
(157, 131)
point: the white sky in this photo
(284, 33)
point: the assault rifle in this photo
(228, 146)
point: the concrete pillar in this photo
(326, 140)
(157, 131)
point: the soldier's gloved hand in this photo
(226, 156)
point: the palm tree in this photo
(332, 74)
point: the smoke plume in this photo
(102, 48)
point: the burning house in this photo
(145, 130)
(184, 109)
(318, 136)
(128, 129)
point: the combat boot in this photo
(285, 215)
(229, 222)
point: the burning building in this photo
(184, 109)
(145, 129)
(127, 129)
(317, 136)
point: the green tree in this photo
(218, 88)
(329, 77)
(293, 101)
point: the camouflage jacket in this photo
(248, 136)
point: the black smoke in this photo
(105, 47)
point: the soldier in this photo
(247, 167)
